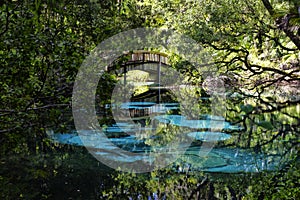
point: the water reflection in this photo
(209, 136)
(230, 160)
(247, 140)
(219, 159)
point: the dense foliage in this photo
(254, 44)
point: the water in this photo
(226, 160)
(197, 157)
(236, 144)
(231, 143)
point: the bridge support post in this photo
(125, 71)
(125, 82)
(158, 79)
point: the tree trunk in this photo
(283, 24)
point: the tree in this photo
(42, 45)
(254, 44)
(284, 18)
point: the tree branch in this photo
(8, 14)
(283, 24)
(268, 6)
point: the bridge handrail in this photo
(137, 58)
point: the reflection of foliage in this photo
(166, 134)
(189, 98)
(168, 184)
(281, 185)
(160, 184)
(264, 128)
(52, 175)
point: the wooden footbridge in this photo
(141, 60)
(146, 61)
(137, 60)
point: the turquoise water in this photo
(219, 159)
(198, 156)
(217, 144)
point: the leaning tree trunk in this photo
(284, 25)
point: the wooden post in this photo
(125, 71)
(158, 77)
(125, 90)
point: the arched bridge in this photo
(137, 60)
(146, 61)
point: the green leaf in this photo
(266, 125)
(247, 108)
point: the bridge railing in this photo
(136, 59)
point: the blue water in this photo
(209, 136)
(200, 156)
(208, 123)
(218, 159)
